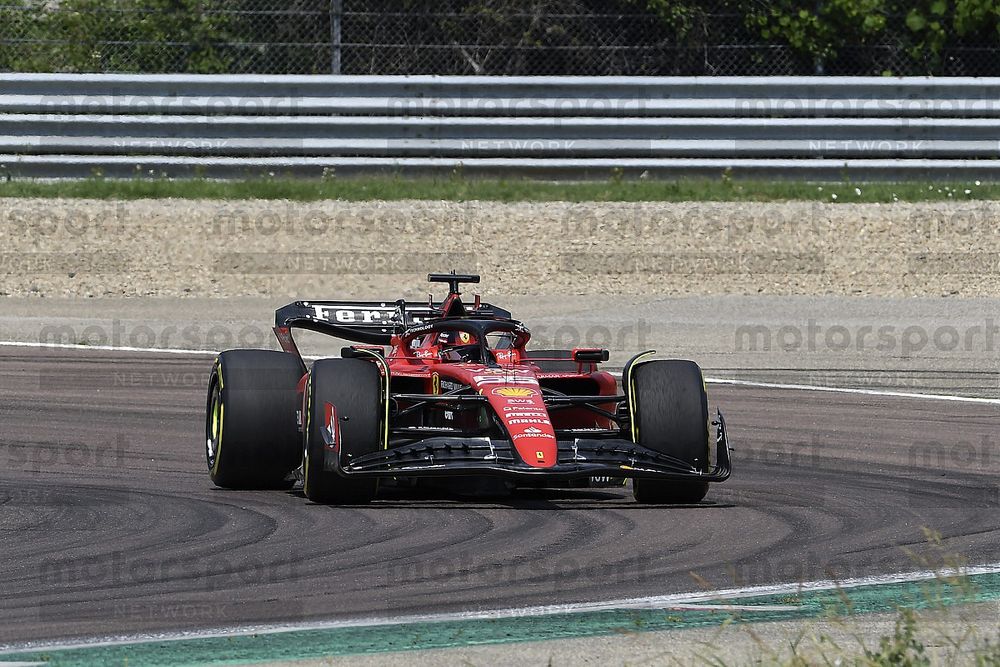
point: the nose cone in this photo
(526, 418)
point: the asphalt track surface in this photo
(110, 524)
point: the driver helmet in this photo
(458, 346)
(449, 338)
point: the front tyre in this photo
(671, 415)
(354, 388)
(252, 440)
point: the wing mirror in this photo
(590, 354)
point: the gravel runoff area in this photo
(91, 248)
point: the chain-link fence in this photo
(484, 37)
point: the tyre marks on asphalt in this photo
(111, 524)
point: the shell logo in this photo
(515, 392)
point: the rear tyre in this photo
(252, 439)
(671, 409)
(354, 388)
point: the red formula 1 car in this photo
(457, 394)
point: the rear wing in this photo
(369, 322)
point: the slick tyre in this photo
(671, 412)
(354, 388)
(252, 439)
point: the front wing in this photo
(578, 458)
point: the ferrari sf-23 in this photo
(450, 389)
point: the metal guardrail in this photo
(61, 125)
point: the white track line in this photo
(863, 392)
(846, 390)
(727, 381)
(106, 348)
(678, 601)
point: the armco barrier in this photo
(62, 125)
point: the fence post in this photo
(336, 12)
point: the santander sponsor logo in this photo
(533, 432)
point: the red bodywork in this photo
(514, 393)
(462, 395)
(513, 389)
(512, 385)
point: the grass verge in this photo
(463, 189)
(931, 627)
(904, 647)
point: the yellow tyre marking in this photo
(221, 421)
(220, 415)
(630, 381)
(215, 417)
(305, 453)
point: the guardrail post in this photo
(336, 12)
